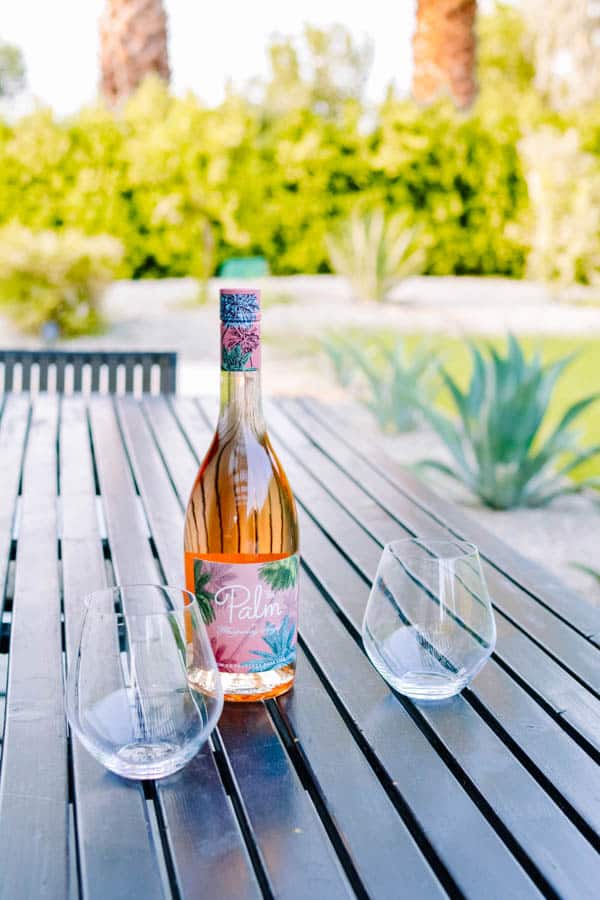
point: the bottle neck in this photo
(240, 375)
(241, 401)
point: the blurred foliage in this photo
(504, 50)
(582, 375)
(275, 169)
(393, 383)
(55, 277)
(562, 224)
(12, 70)
(495, 447)
(375, 253)
(325, 70)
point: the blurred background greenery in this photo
(273, 170)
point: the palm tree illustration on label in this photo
(250, 612)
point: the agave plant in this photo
(390, 382)
(398, 386)
(337, 351)
(375, 253)
(280, 574)
(496, 448)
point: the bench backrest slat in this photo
(79, 363)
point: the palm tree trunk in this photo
(133, 43)
(444, 51)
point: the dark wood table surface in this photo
(339, 789)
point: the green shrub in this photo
(161, 171)
(375, 254)
(165, 171)
(495, 447)
(461, 176)
(562, 225)
(393, 384)
(55, 276)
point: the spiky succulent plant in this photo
(495, 446)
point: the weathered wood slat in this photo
(42, 374)
(34, 822)
(26, 375)
(285, 825)
(557, 688)
(13, 432)
(494, 753)
(60, 376)
(146, 375)
(375, 835)
(183, 466)
(9, 378)
(201, 863)
(118, 856)
(534, 578)
(3, 678)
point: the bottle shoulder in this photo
(241, 501)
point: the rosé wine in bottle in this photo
(241, 529)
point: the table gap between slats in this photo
(451, 790)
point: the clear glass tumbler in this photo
(428, 626)
(143, 690)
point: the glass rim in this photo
(465, 549)
(92, 596)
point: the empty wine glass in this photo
(143, 690)
(428, 626)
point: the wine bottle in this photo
(241, 529)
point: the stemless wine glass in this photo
(143, 690)
(428, 626)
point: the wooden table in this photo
(340, 788)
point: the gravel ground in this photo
(163, 315)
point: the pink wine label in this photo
(250, 610)
(240, 346)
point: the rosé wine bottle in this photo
(241, 529)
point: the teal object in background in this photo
(244, 267)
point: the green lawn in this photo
(580, 379)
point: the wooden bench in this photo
(88, 372)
